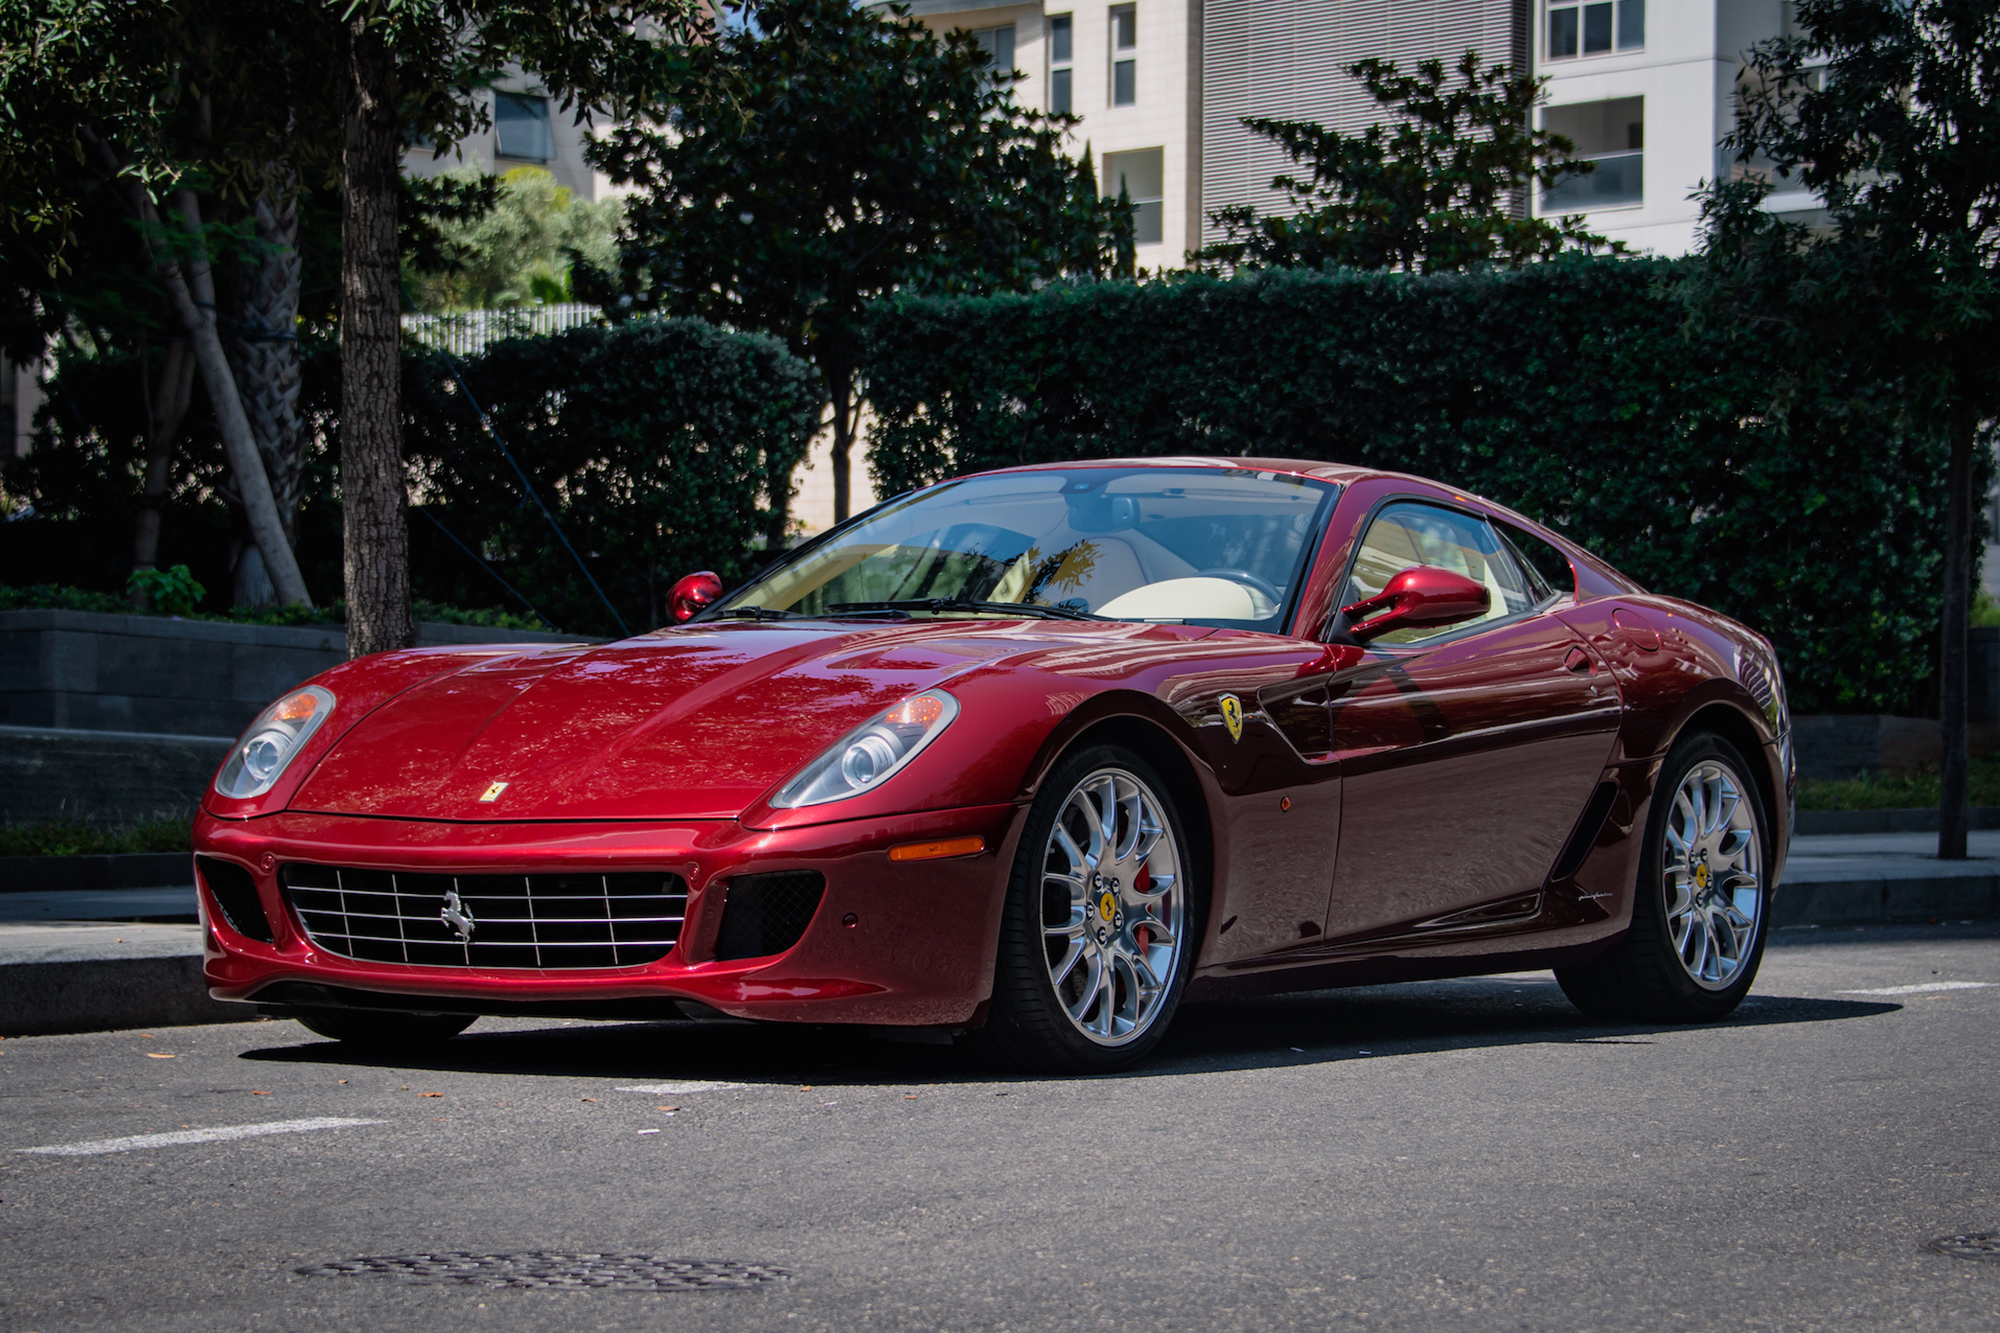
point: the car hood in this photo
(689, 722)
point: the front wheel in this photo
(1701, 908)
(376, 1030)
(1102, 918)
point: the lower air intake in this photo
(527, 921)
(766, 914)
(234, 893)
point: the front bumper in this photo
(902, 943)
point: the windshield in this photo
(1201, 546)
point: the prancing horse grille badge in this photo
(458, 916)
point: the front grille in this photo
(538, 921)
(766, 914)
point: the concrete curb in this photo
(104, 994)
(1880, 901)
(83, 993)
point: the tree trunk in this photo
(193, 297)
(374, 500)
(166, 407)
(843, 440)
(265, 350)
(1954, 795)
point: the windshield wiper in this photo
(1025, 610)
(755, 613)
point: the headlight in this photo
(272, 741)
(866, 757)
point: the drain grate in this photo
(1973, 1245)
(595, 1272)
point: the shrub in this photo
(1582, 392)
(658, 443)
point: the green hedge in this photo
(657, 443)
(1583, 392)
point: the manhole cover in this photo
(613, 1272)
(1974, 1245)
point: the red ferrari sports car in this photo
(1028, 758)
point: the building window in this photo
(998, 45)
(1595, 27)
(1124, 55)
(522, 126)
(1062, 32)
(1613, 135)
(1142, 176)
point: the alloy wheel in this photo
(1712, 862)
(1114, 906)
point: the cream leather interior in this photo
(1189, 599)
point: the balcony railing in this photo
(1618, 182)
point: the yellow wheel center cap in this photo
(1701, 878)
(1107, 906)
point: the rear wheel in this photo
(375, 1030)
(1101, 922)
(1702, 905)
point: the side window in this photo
(1410, 533)
(1546, 565)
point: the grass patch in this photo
(68, 838)
(1898, 791)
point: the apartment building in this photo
(1647, 91)
(1646, 88)
(528, 129)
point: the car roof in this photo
(1301, 467)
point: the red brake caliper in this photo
(1140, 883)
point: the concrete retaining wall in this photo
(1833, 746)
(81, 670)
(110, 778)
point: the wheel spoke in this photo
(1078, 862)
(1093, 986)
(1059, 971)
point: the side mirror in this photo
(1421, 597)
(693, 595)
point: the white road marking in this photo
(676, 1089)
(1921, 987)
(216, 1135)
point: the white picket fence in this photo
(468, 334)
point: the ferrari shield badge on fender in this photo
(492, 793)
(1232, 716)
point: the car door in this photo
(1466, 752)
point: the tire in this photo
(1699, 920)
(379, 1030)
(1094, 954)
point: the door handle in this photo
(1578, 661)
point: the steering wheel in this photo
(1248, 580)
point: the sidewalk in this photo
(1881, 878)
(61, 971)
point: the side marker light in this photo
(933, 851)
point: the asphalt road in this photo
(1457, 1155)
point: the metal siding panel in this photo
(1286, 59)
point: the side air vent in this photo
(235, 895)
(1587, 829)
(766, 914)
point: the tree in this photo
(152, 108)
(1890, 113)
(825, 155)
(413, 69)
(1434, 192)
(518, 251)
